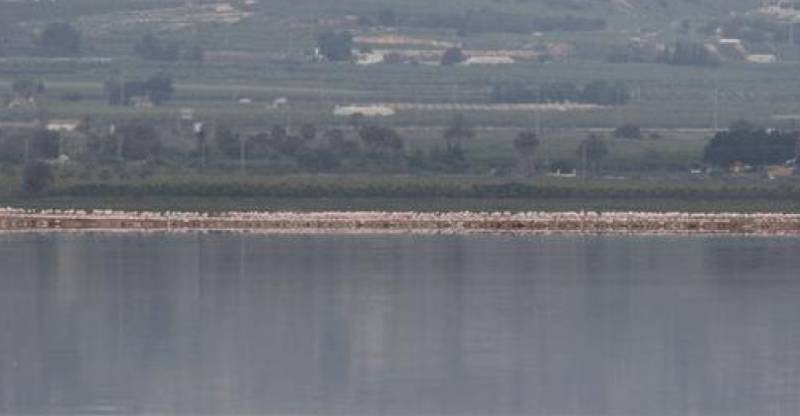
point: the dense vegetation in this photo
(60, 39)
(745, 143)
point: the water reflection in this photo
(229, 324)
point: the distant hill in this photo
(16, 10)
(269, 19)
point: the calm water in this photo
(481, 325)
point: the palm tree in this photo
(591, 151)
(457, 132)
(526, 144)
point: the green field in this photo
(671, 97)
(665, 96)
(213, 192)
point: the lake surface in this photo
(399, 325)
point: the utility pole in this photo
(715, 117)
(797, 152)
(584, 156)
(122, 93)
(112, 130)
(120, 146)
(716, 109)
(539, 122)
(288, 119)
(539, 111)
(243, 154)
(200, 136)
(26, 161)
(27, 157)
(791, 31)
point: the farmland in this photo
(280, 38)
(668, 97)
(251, 56)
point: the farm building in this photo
(63, 126)
(489, 60)
(780, 171)
(365, 110)
(371, 58)
(281, 102)
(762, 58)
(732, 49)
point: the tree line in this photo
(363, 147)
(680, 53)
(154, 48)
(62, 39)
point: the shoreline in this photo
(18, 220)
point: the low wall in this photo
(465, 222)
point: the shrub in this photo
(335, 46)
(140, 141)
(628, 131)
(45, 144)
(60, 39)
(36, 177)
(746, 144)
(453, 56)
(72, 96)
(152, 48)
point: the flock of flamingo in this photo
(12, 219)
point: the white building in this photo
(489, 60)
(365, 110)
(762, 58)
(371, 58)
(63, 126)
